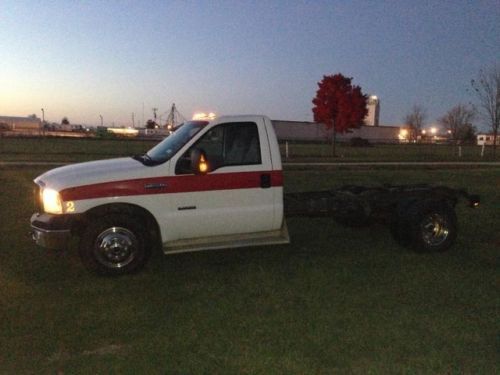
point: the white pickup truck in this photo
(211, 185)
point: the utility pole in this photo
(43, 121)
(133, 119)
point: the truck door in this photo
(236, 195)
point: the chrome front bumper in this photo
(51, 231)
(51, 239)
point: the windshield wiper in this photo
(139, 158)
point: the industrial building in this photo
(315, 132)
(29, 125)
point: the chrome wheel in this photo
(116, 247)
(435, 229)
(429, 226)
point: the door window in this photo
(224, 145)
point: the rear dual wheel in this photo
(425, 225)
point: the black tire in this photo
(115, 244)
(399, 223)
(432, 226)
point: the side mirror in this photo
(199, 162)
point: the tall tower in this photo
(373, 107)
(174, 118)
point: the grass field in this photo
(71, 150)
(336, 300)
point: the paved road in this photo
(293, 164)
(30, 163)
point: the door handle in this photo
(265, 180)
(186, 208)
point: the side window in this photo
(225, 145)
(242, 146)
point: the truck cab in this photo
(209, 185)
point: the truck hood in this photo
(94, 172)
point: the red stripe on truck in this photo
(167, 185)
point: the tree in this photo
(65, 121)
(151, 124)
(487, 91)
(458, 122)
(468, 133)
(339, 105)
(415, 120)
(33, 116)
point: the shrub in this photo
(359, 142)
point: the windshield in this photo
(167, 148)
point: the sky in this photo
(83, 59)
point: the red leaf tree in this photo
(339, 105)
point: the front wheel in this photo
(115, 244)
(431, 225)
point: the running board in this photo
(275, 237)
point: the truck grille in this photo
(37, 199)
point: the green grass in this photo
(69, 149)
(336, 300)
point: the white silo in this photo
(373, 106)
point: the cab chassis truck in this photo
(212, 185)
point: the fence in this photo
(388, 151)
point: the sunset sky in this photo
(81, 59)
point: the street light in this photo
(403, 135)
(101, 119)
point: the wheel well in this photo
(406, 202)
(123, 208)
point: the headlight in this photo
(51, 201)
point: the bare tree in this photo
(487, 91)
(458, 121)
(415, 120)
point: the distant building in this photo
(126, 132)
(373, 107)
(312, 131)
(22, 124)
(316, 132)
(487, 139)
(68, 127)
